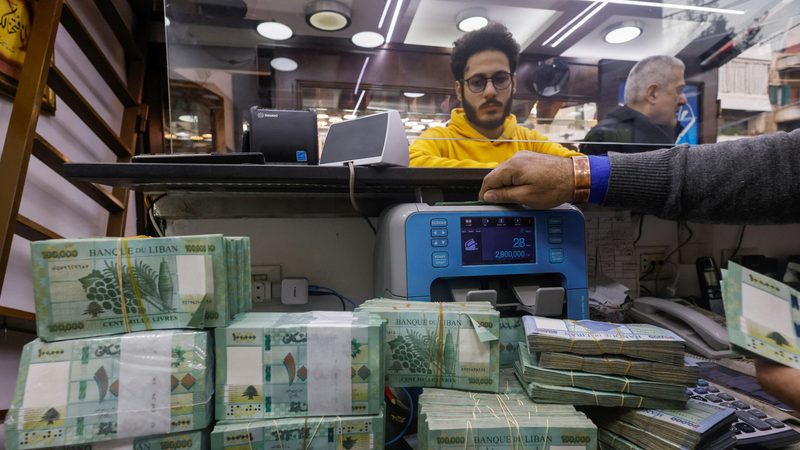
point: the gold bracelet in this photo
(582, 178)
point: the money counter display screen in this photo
(497, 240)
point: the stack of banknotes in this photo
(452, 345)
(90, 390)
(302, 433)
(512, 332)
(455, 419)
(619, 365)
(590, 337)
(701, 425)
(651, 373)
(104, 286)
(530, 370)
(317, 363)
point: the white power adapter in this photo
(294, 291)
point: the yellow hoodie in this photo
(460, 145)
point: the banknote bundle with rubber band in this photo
(450, 345)
(317, 363)
(456, 419)
(602, 380)
(109, 388)
(302, 433)
(700, 425)
(103, 286)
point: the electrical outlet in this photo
(263, 279)
(651, 262)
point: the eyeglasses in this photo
(477, 83)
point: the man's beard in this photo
(472, 113)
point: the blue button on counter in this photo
(438, 222)
(440, 259)
(438, 232)
(556, 255)
(439, 242)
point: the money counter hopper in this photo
(519, 259)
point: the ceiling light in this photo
(283, 64)
(472, 19)
(322, 116)
(413, 94)
(622, 32)
(419, 127)
(349, 116)
(367, 39)
(328, 15)
(274, 30)
(188, 118)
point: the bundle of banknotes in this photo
(687, 374)
(452, 345)
(190, 440)
(511, 334)
(455, 419)
(302, 433)
(108, 388)
(299, 364)
(531, 371)
(589, 337)
(104, 286)
(700, 425)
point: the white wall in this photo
(47, 198)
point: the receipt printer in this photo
(516, 258)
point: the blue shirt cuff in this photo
(600, 169)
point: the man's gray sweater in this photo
(751, 180)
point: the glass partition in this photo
(344, 59)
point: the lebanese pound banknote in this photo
(449, 345)
(107, 388)
(511, 334)
(104, 286)
(302, 433)
(299, 364)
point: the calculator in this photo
(753, 427)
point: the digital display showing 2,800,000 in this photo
(497, 240)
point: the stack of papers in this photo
(108, 388)
(299, 364)
(451, 345)
(700, 425)
(105, 286)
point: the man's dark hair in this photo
(494, 36)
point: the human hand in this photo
(533, 179)
(781, 381)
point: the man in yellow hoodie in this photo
(483, 133)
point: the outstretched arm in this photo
(781, 381)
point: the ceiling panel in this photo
(434, 23)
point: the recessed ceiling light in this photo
(274, 30)
(413, 94)
(328, 15)
(367, 39)
(188, 118)
(283, 64)
(472, 19)
(622, 32)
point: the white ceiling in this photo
(659, 37)
(434, 23)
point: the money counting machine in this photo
(516, 258)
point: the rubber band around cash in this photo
(596, 341)
(627, 386)
(628, 369)
(440, 345)
(123, 243)
(467, 429)
(278, 432)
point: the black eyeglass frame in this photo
(484, 81)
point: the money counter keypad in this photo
(753, 426)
